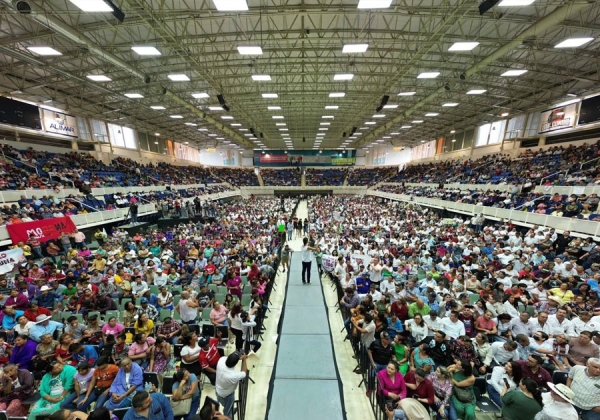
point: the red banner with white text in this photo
(43, 230)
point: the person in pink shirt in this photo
(391, 383)
(218, 315)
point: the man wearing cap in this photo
(558, 403)
(584, 381)
(146, 308)
(46, 298)
(43, 325)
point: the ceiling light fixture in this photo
(391, 106)
(277, 117)
(504, 114)
(406, 93)
(432, 114)
(158, 107)
(417, 121)
(463, 46)
(249, 50)
(428, 75)
(515, 3)
(216, 108)
(379, 116)
(44, 51)
(261, 77)
(269, 95)
(476, 91)
(337, 95)
(328, 117)
(573, 42)
(236, 125)
(340, 77)
(406, 127)
(99, 78)
(134, 95)
(177, 117)
(273, 108)
(231, 5)
(354, 48)
(370, 123)
(374, 4)
(226, 117)
(325, 124)
(450, 104)
(200, 95)
(92, 5)
(178, 78)
(513, 73)
(332, 107)
(280, 124)
(145, 50)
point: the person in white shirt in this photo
(306, 260)
(541, 323)
(558, 404)
(511, 373)
(433, 321)
(559, 324)
(452, 326)
(499, 354)
(388, 286)
(506, 256)
(375, 271)
(522, 325)
(228, 379)
(585, 322)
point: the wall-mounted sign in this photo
(59, 123)
(558, 118)
(590, 111)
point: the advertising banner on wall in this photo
(59, 123)
(589, 112)
(558, 118)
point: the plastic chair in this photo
(110, 314)
(164, 313)
(213, 287)
(167, 385)
(246, 299)
(206, 314)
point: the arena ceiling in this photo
(301, 51)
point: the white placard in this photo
(59, 123)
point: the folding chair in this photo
(484, 403)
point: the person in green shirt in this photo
(71, 290)
(418, 307)
(522, 403)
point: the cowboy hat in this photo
(562, 391)
(555, 299)
(41, 318)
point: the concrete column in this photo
(74, 145)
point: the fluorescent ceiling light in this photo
(432, 114)
(428, 75)
(358, 134)
(417, 121)
(203, 129)
(449, 104)
(216, 108)
(261, 77)
(328, 117)
(512, 73)
(157, 107)
(504, 114)
(379, 116)
(337, 95)
(92, 5)
(374, 4)
(391, 106)
(277, 117)
(201, 95)
(325, 124)
(452, 131)
(134, 95)
(220, 138)
(370, 123)
(231, 5)
(178, 77)
(406, 93)
(236, 125)
(273, 108)
(364, 128)
(386, 137)
(463, 46)
(249, 50)
(476, 92)
(157, 134)
(380, 141)
(515, 3)
(355, 48)
(343, 77)
(323, 129)
(226, 117)
(331, 107)
(243, 129)
(44, 51)
(145, 50)
(573, 42)
(249, 135)
(212, 135)
(280, 124)
(177, 117)
(191, 124)
(269, 95)
(99, 78)
(394, 134)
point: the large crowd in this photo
(445, 311)
(580, 206)
(84, 330)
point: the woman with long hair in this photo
(522, 403)
(462, 403)
(235, 324)
(510, 373)
(185, 385)
(420, 359)
(144, 325)
(442, 388)
(391, 383)
(190, 353)
(129, 314)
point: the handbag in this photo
(463, 394)
(181, 407)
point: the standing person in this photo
(306, 260)
(228, 379)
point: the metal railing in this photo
(37, 171)
(588, 161)
(543, 197)
(552, 175)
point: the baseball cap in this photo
(144, 300)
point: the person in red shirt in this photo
(208, 357)
(35, 310)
